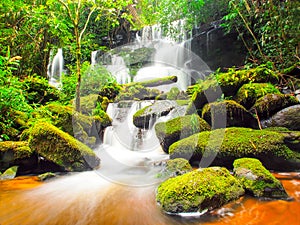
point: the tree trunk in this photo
(78, 72)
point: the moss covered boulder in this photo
(176, 167)
(228, 113)
(61, 148)
(257, 180)
(288, 117)
(87, 129)
(226, 145)
(135, 91)
(269, 104)
(198, 191)
(17, 153)
(179, 128)
(249, 93)
(142, 117)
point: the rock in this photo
(269, 104)
(17, 153)
(249, 93)
(223, 146)
(257, 180)
(46, 176)
(288, 117)
(227, 113)
(179, 128)
(87, 129)
(176, 167)
(143, 116)
(134, 91)
(9, 173)
(61, 148)
(198, 191)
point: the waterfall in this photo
(55, 68)
(119, 69)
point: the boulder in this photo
(176, 167)
(179, 128)
(288, 117)
(227, 113)
(257, 180)
(198, 191)
(269, 104)
(142, 117)
(223, 146)
(249, 93)
(61, 148)
(17, 153)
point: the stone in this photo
(199, 191)
(176, 167)
(269, 104)
(17, 153)
(288, 117)
(61, 148)
(249, 93)
(227, 113)
(257, 180)
(221, 147)
(142, 117)
(179, 128)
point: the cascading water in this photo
(171, 57)
(55, 69)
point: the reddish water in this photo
(86, 199)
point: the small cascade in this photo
(55, 69)
(119, 69)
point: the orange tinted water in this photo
(86, 199)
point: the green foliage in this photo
(269, 30)
(94, 78)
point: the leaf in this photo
(9, 173)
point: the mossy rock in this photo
(269, 104)
(88, 103)
(158, 81)
(176, 167)
(257, 180)
(223, 146)
(227, 113)
(81, 126)
(17, 153)
(288, 117)
(179, 128)
(227, 84)
(142, 117)
(249, 93)
(198, 191)
(37, 90)
(134, 91)
(61, 148)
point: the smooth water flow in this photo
(55, 69)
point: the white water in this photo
(55, 69)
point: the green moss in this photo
(175, 167)
(88, 103)
(158, 81)
(20, 149)
(179, 128)
(198, 191)
(232, 143)
(257, 179)
(133, 91)
(249, 93)
(173, 93)
(61, 148)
